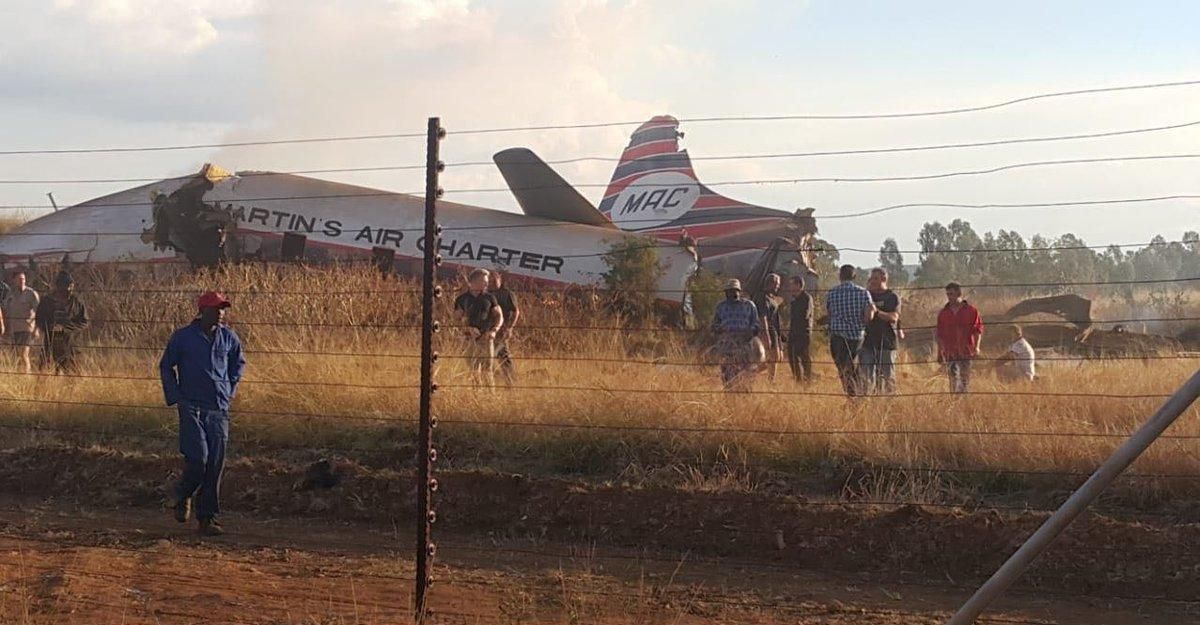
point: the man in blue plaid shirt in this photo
(850, 309)
(736, 323)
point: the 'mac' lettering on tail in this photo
(658, 200)
(655, 190)
(655, 199)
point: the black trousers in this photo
(799, 357)
(845, 356)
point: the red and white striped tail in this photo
(655, 190)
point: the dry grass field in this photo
(332, 364)
(616, 483)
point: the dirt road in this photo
(60, 563)
(84, 539)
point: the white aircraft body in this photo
(216, 216)
(561, 239)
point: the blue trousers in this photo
(203, 434)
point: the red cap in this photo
(212, 299)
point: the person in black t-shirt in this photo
(61, 317)
(800, 331)
(877, 360)
(481, 320)
(768, 302)
(512, 314)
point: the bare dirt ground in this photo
(64, 564)
(84, 539)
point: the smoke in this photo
(387, 66)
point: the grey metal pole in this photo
(425, 453)
(1079, 500)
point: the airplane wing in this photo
(541, 192)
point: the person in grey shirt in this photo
(20, 315)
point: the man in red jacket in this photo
(958, 330)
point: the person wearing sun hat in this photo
(200, 368)
(736, 324)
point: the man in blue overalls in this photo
(200, 370)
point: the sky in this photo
(118, 73)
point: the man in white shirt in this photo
(1018, 363)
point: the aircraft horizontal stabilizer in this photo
(543, 193)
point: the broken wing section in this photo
(182, 222)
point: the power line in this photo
(248, 174)
(707, 119)
(886, 209)
(853, 179)
(850, 152)
(797, 117)
(728, 157)
(197, 146)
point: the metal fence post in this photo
(425, 453)
(1079, 500)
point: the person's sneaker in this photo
(210, 527)
(183, 509)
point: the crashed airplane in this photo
(217, 216)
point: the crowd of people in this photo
(865, 333)
(57, 320)
(202, 362)
(488, 312)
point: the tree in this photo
(1072, 261)
(633, 275)
(826, 259)
(892, 261)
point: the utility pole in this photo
(425, 453)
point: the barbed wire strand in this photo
(164, 435)
(650, 428)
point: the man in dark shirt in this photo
(768, 302)
(877, 360)
(481, 319)
(800, 331)
(61, 316)
(512, 313)
(200, 370)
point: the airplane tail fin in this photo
(655, 190)
(541, 192)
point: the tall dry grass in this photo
(327, 346)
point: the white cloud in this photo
(161, 27)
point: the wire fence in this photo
(952, 478)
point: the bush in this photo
(705, 288)
(633, 275)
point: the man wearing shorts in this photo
(20, 315)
